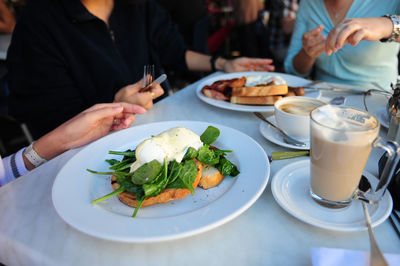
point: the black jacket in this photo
(62, 59)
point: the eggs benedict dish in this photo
(167, 167)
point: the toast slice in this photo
(210, 177)
(261, 90)
(255, 100)
(166, 195)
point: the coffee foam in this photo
(345, 125)
(344, 119)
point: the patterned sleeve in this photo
(12, 167)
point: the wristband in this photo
(213, 59)
(33, 157)
(396, 29)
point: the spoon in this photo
(288, 139)
(376, 256)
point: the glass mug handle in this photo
(393, 151)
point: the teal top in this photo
(359, 65)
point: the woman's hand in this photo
(86, 127)
(131, 94)
(314, 42)
(353, 30)
(244, 64)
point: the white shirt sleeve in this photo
(12, 167)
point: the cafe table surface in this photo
(31, 232)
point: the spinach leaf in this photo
(226, 167)
(191, 153)
(207, 155)
(186, 177)
(158, 184)
(209, 135)
(174, 171)
(146, 173)
(123, 165)
(129, 153)
(112, 161)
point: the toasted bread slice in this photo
(166, 195)
(255, 100)
(261, 90)
(210, 177)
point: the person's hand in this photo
(314, 42)
(353, 30)
(131, 94)
(86, 127)
(247, 64)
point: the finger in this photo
(356, 37)
(258, 61)
(313, 33)
(318, 49)
(156, 91)
(343, 36)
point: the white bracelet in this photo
(33, 156)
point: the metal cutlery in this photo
(376, 256)
(160, 79)
(288, 139)
(394, 219)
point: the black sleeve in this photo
(165, 38)
(42, 92)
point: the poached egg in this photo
(252, 81)
(171, 144)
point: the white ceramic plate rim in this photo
(71, 189)
(290, 79)
(269, 133)
(384, 208)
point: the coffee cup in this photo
(292, 115)
(341, 139)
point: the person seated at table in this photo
(75, 53)
(82, 129)
(368, 62)
(7, 19)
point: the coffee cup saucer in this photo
(272, 135)
(291, 189)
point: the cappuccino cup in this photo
(341, 139)
(292, 115)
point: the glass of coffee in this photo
(341, 141)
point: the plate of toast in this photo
(75, 188)
(252, 91)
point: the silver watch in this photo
(396, 28)
(33, 156)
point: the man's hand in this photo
(131, 94)
(245, 64)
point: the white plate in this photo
(75, 188)
(272, 135)
(291, 189)
(382, 116)
(290, 80)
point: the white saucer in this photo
(272, 135)
(290, 187)
(382, 116)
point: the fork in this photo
(148, 74)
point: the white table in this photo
(31, 232)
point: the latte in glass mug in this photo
(341, 141)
